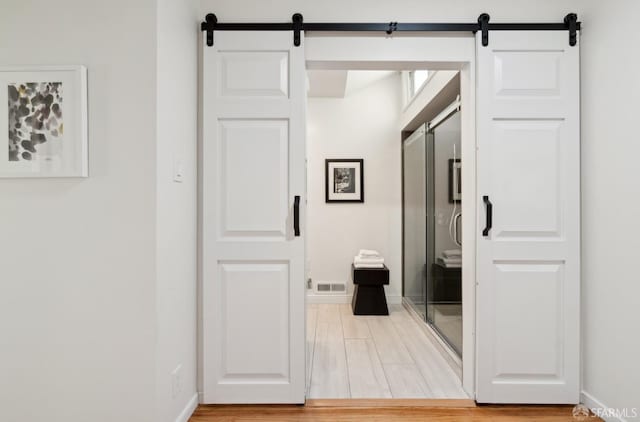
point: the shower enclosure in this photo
(432, 281)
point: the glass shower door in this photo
(415, 221)
(432, 261)
(444, 274)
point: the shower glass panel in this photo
(414, 220)
(432, 261)
(444, 274)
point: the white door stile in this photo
(253, 166)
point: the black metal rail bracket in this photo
(297, 25)
(571, 20)
(297, 20)
(209, 25)
(483, 22)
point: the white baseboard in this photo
(314, 299)
(592, 402)
(188, 410)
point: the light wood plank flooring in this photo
(367, 357)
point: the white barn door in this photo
(528, 271)
(253, 175)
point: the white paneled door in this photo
(253, 196)
(528, 271)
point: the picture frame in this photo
(455, 180)
(43, 121)
(344, 180)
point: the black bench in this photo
(368, 296)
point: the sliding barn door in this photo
(253, 196)
(528, 307)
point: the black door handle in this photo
(296, 215)
(489, 213)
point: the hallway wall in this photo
(611, 194)
(77, 256)
(97, 282)
(176, 214)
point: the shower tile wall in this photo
(447, 135)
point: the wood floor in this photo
(374, 357)
(288, 413)
(383, 357)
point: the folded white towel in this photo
(450, 263)
(360, 260)
(368, 265)
(450, 253)
(365, 253)
(451, 260)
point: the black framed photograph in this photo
(455, 180)
(344, 180)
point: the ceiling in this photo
(340, 83)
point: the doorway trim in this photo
(465, 63)
(367, 51)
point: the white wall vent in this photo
(324, 287)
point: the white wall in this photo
(361, 125)
(610, 150)
(177, 91)
(98, 285)
(77, 256)
(611, 204)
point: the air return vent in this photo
(330, 288)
